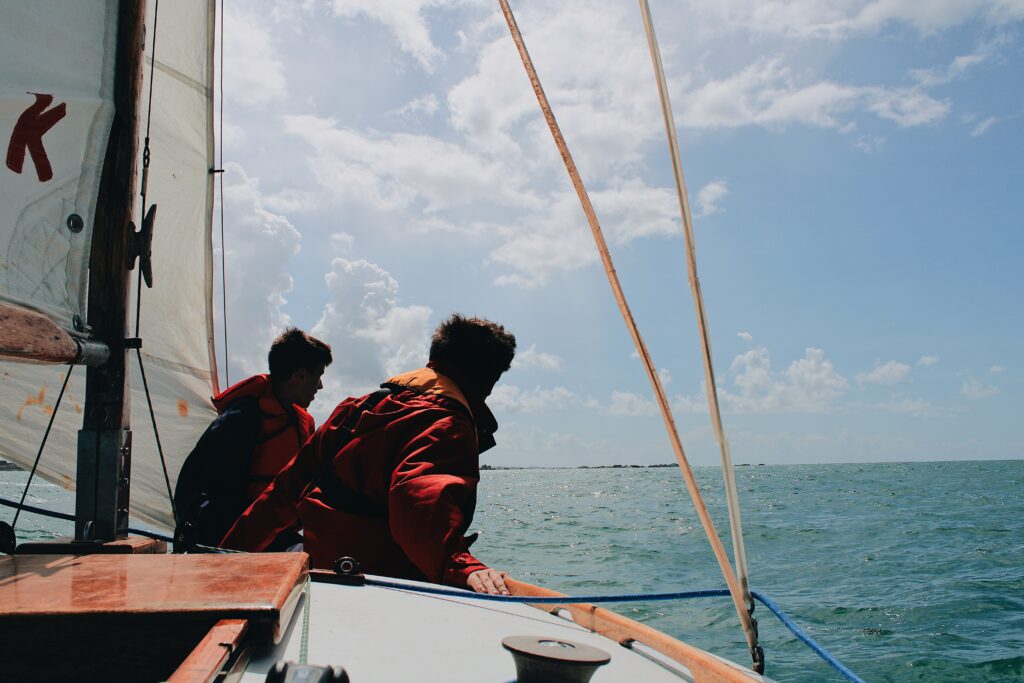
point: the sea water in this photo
(906, 572)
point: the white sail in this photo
(56, 107)
(177, 313)
(176, 321)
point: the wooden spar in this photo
(735, 521)
(104, 443)
(627, 315)
(705, 667)
(31, 337)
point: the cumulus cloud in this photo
(839, 19)
(767, 93)
(558, 238)
(745, 336)
(997, 369)
(624, 404)
(886, 374)
(342, 243)
(973, 390)
(928, 360)
(260, 246)
(809, 384)
(710, 195)
(251, 57)
(532, 358)
(589, 56)
(404, 19)
(374, 337)
(399, 170)
(515, 399)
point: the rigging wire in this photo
(732, 495)
(223, 246)
(42, 445)
(146, 156)
(745, 618)
(786, 620)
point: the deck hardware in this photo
(133, 343)
(141, 246)
(290, 672)
(349, 572)
(75, 223)
(540, 658)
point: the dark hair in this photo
(295, 349)
(479, 348)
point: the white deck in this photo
(389, 635)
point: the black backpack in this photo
(211, 490)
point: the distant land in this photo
(599, 467)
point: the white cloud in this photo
(983, 127)
(558, 239)
(624, 404)
(665, 376)
(251, 58)
(886, 374)
(589, 57)
(373, 336)
(515, 399)
(260, 245)
(869, 144)
(997, 369)
(808, 385)
(838, 19)
(710, 195)
(342, 243)
(532, 358)
(928, 360)
(959, 67)
(405, 19)
(745, 336)
(399, 170)
(767, 93)
(974, 390)
(910, 406)
(426, 105)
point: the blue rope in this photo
(801, 635)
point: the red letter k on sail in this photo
(28, 133)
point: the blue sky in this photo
(854, 169)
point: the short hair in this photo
(294, 349)
(478, 348)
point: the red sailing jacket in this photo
(414, 456)
(281, 435)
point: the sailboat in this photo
(104, 102)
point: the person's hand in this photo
(488, 581)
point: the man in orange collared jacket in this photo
(390, 479)
(262, 423)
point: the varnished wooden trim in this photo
(208, 658)
(27, 335)
(705, 667)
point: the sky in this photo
(853, 166)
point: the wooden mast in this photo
(104, 442)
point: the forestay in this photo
(176, 323)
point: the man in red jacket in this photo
(262, 423)
(390, 479)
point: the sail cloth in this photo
(177, 322)
(56, 107)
